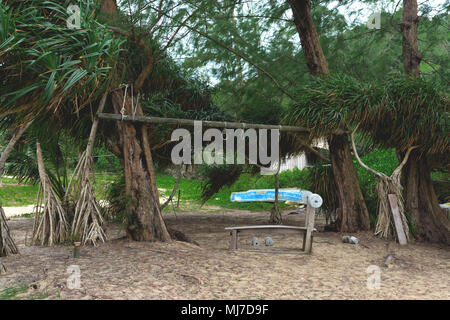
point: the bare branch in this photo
(157, 18)
(240, 55)
(435, 70)
(355, 152)
(398, 170)
(119, 31)
(169, 42)
(147, 52)
(261, 17)
(175, 188)
(315, 152)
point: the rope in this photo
(122, 111)
(136, 106)
(133, 107)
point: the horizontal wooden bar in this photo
(205, 123)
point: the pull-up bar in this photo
(189, 122)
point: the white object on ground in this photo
(353, 240)
(268, 241)
(350, 239)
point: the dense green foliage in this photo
(48, 70)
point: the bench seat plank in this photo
(265, 228)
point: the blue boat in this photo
(268, 195)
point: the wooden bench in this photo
(307, 231)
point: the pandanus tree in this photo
(53, 77)
(353, 214)
(151, 76)
(420, 199)
(7, 244)
(326, 105)
(131, 143)
(415, 112)
(60, 77)
(405, 113)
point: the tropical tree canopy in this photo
(399, 113)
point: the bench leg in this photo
(233, 240)
(310, 211)
(304, 241)
(308, 241)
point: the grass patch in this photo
(12, 292)
(190, 189)
(13, 194)
(18, 195)
(23, 215)
(39, 296)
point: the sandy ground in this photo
(122, 269)
(16, 211)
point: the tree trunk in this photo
(109, 6)
(420, 198)
(353, 214)
(411, 57)
(422, 203)
(145, 222)
(50, 223)
(309, 38)
(275, 214)
(9, 148)
(150, 166)
(7, 244)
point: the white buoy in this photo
(315, 201)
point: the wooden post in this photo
(304, 241)
(76, 249)
(310, 212)
(233, 240)
(393, 202)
